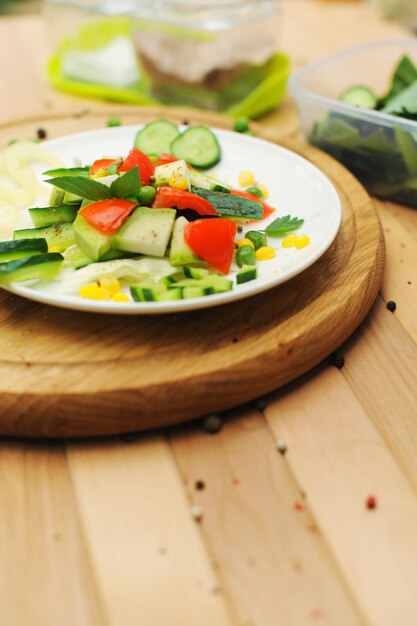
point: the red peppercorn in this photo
(371, 502)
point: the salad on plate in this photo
(149, 226)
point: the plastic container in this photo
(207, 53)
(380, 149)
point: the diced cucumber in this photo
(72, 198)
(45, 216)
(227, 204)
(78, 258)
(171, 294)
(198, 146)
(10, 250)
(156, 137)
(195, 272)
(197, 292)
(247, 273)
(220, 284)
(68, 171)
(146, 231)
(180, 252)
(91, 241)
(146, 292)
(57, 197)
(163, 173)
(60, 235)
(198, 179)
(39, 266)
(359, 96)
(171, 280)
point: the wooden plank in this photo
(45, 575)
(148, 558)
(272, 559)
(400, 277)
(406, 216)
(380, 367)
(339, 458)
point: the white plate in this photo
(295, 186)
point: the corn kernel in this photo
(99, 173)
(244, 242)
(296, 241)
(246, 179)
(119, 296)
(178, 182)
(264, 253)
(265, 192)
(109, 282)
(92, 291)
(54, 249)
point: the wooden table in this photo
(102, 533)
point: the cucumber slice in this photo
(196, 292)
(68, 171)
(57, 197)
(61, 235)
(198, 146)
(45, 216)
(156, 137)
(360, 96)
(229, 205)
(195, 272)
(172, 294)
(247, 273)
(147, 292)
(10, 250)
(39, 266)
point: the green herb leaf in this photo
(283, 225)
(84, 187)
(68, 171)
(127, 185)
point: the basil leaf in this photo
(84, 187)
(127, 185)
(283, 225)
(68, 171)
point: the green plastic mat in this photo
(96, 35)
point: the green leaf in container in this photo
(128, 185)
(405, 104)
(83, 187)
(404, 75)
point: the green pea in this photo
(245, 255)
(147, 195)
(113, 121)
(257, 238)
(255, 191)
(241, 125)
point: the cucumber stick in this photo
(10, 250)
(39, 266)
(60, 235)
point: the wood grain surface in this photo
(64, 378)
(101, 532)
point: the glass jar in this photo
(207, 53)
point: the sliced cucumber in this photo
(172, 294)
(247, 273)
(78, 258)
(195, 272)
(147, 292)
(198, 146)
(39, 266)
(146, 231)
(57, 197)
(10, 250)
(360, 96)
(198, 179)
(68, 171)
(197, 292)
(156, 137)
(91, 241)
(45, 216)
(229, 205)
(180, 252)
(60, 235)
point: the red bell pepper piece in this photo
(213, 241)
(145, 165)
(250, 196)
(107, 215)
(101, 164)
(165, 158)
(167, 197)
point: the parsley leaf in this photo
(283, 225)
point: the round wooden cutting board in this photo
(64, 373)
